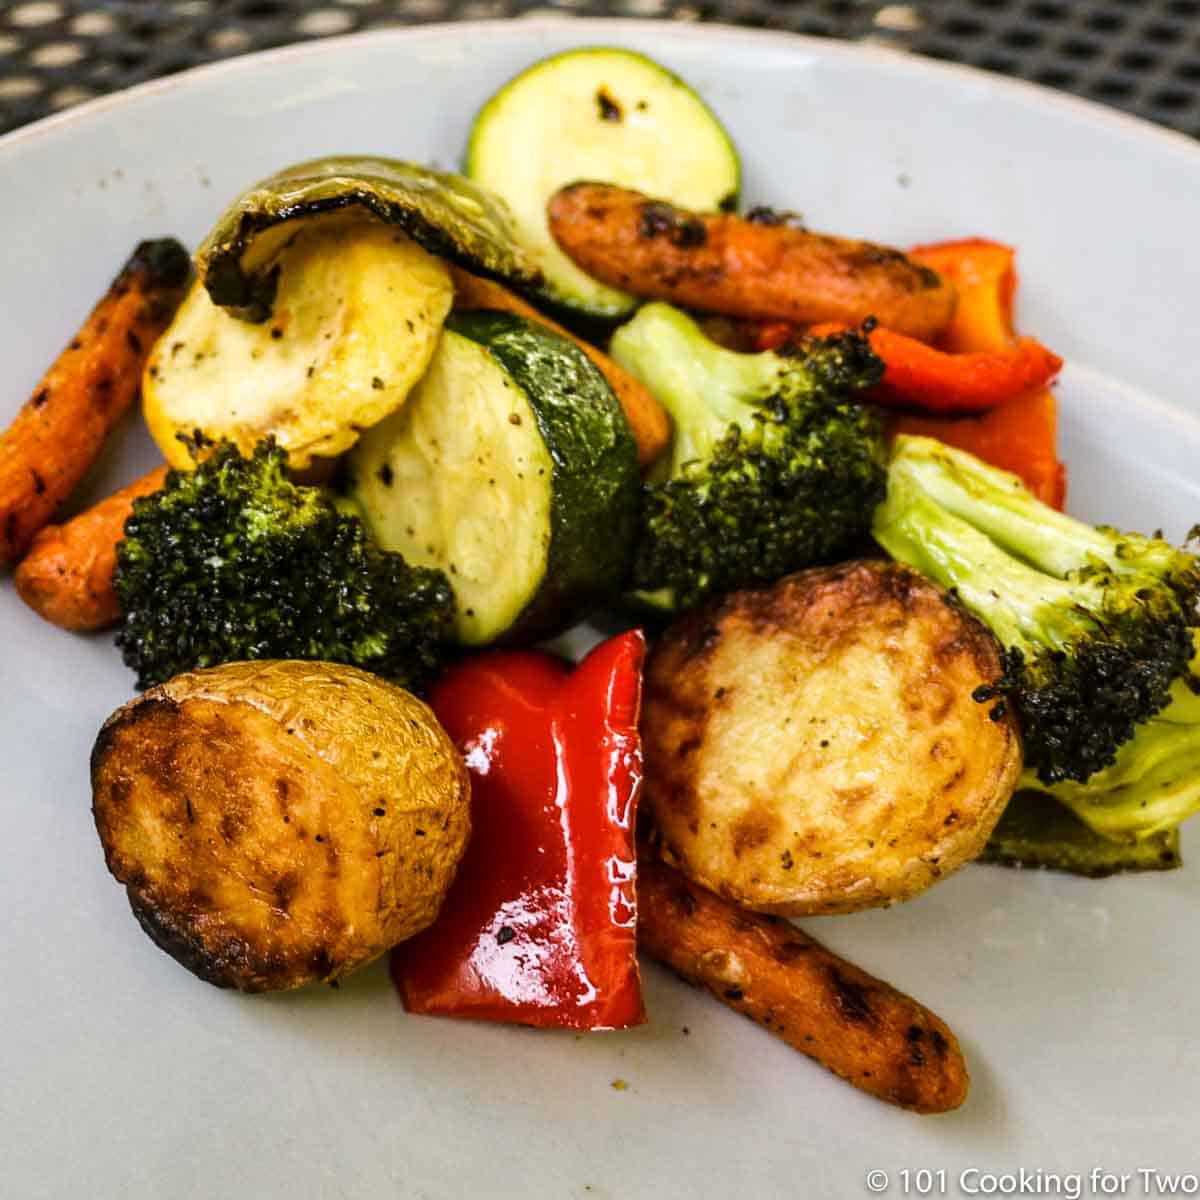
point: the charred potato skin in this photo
(814, 748)
(276, 824)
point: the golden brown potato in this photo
(814, 747)
(279, 823)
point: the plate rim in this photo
(1092, 112)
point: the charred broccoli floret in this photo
(1153, 783)
(774, 465)
(1096, 625)
(233, 561)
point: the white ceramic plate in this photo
(1078, 1003)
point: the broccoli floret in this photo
(1095, 625)
(233, 561)
(1153, 784)
(773, 467)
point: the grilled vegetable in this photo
(512, 469)
(1096, 625)
(728, 264)
(445, 214)
(862, 1029)
(774, 464)
(1020, 436)
(1037, 831)
(233, 561)
(605, 114)
(1153, 785)
(67, 575)
(815, 747)
(357, 316)
(279, 823)
(648, 421)
(919, 376)
(539, 928)
(63, 426)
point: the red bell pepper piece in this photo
(1022, 435)
(919, 376)
(1018, 436)
(540, 926)
(985, 275)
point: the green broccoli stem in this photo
(774, 466)
(999, 505)
(1096, 626)
(1025, 609)
(703, 386)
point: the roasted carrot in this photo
(647, 418)
(861, 1028)
(61, 429)
(67, 575)
(726, 264)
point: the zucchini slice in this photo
(357, 318)
(512, 468)
(446, 214)
(606, 115)
(1037, 831)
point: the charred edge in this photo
(163, 261)
(252, 296)
(40, 398)
(764, 214)
(914, 1037)
(683, 231)
(852, 998)
(125, 717)
(183, 945)
(610, 109)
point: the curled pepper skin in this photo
(1022, 435)
(980, 388)
(924, 377)
(935, 381)
(540, 926)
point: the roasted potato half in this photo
(279, 823)
(815, 748)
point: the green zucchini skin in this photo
(445, 214)
(600, 113)
(595, 488)
(1037, 831)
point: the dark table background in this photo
(1140, 55)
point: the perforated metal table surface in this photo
(1139, 55)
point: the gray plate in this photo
(1077, 1002)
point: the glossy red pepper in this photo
(540, 926)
